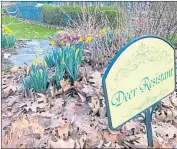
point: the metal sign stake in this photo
(148, 120)
(148, 123)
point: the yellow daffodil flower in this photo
(3, 28)
(36, 62)
(77, 51)
(27, 70)
(52, 43)
(80, 39)
(9, 31)
(6, 30)
(63, 62)
(36, 56)
(103, 30)
(44, 63)
(37, 75)
(89, 38)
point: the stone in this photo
(14, 69)
(174, 100)
(7, 92)
(175, 123)
(11, 101)
(7, 55)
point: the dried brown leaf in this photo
(34, 106)
(108, 137)
(166, 146)
(81, 142)
(8, 91)
(12, 100)
(82, 98)
(21, 128)
(165, 130)
(14, 69)
(156, 144)
(107, 145)
(62, 144)
(131, 125)
(94, 138)
(174, 100)
(87, 89)
(115, 145)
(63, 130)
(161, 115)
(96, 79)
(65, 84)
(95, 105)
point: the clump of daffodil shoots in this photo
(59, 73)
(66, 59)
(37, 77)
(72, 60)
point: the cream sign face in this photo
(140, 75)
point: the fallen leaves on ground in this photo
(78, 120)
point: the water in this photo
(28, 54)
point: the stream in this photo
(28, 53)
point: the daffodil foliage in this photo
(72, 59)
(66, 59)
(36, 78)
(59, 73)
(7, 38)
(53, 58)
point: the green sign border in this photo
(110, 66)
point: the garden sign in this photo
(138, 77)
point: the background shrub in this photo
(61, 15)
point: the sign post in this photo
(140, 75)
(148, 121)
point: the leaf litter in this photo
(77, 121)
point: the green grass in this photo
(174, 40)
(7, 68)
(26, 31)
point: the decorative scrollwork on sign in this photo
(141, 56)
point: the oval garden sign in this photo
(141, 74)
